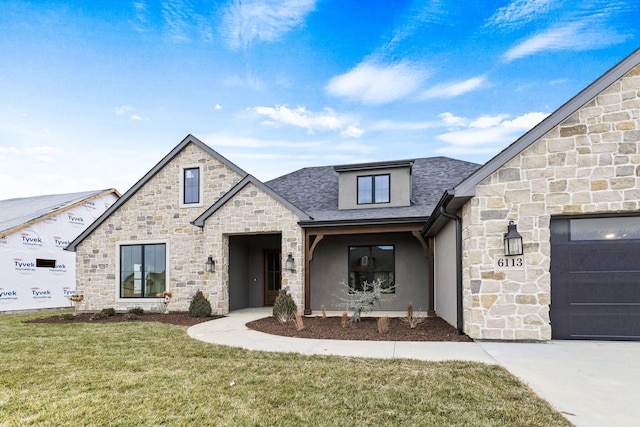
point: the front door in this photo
(272, 275)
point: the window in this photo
(612, 228)
(191, 186)
(46, 263)
(373, 189)
(142, 270)
(369, 263)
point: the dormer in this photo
(374, 185)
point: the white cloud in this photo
(177, 15)
(417, 16)
(327, 120)
(384, 125)
(451, 90)
(246, 21)
(579, 35)
(484, 122)
(217, 107)
(352, 132)
(520, 12)
(123, 109)
(299, 117)
(375, 83)
(486, 133)
(451, 120)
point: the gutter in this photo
(458, 220)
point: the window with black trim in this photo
(142, 270)
(370, 263)
(191, 185)
(374, 189)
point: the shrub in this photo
(363, 301)
(109, 311)
(284, 308)
(137, 311)
(411, 319)
(130, 316)
(199, 306)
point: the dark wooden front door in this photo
(272, 275)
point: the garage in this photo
(595, 278)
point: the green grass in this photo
(135, 374)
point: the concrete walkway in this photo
(592, 383)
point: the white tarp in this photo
(24, 285)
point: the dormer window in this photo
(368, 185)
(373, 189)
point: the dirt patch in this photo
(173, 318)
(432, 329)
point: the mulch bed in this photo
(432, 329)
(173, 318)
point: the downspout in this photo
(458, 220)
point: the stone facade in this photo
(154, 215)
(588, 164)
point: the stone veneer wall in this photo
(153, 214)
(589, 164)
(252, 211)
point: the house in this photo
(433, 230)
(196, 221)
(36, 271)
(571, 186)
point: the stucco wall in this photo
(445, 268)
(399, 192)
(589, 164)
(330, 271)
(154, 214)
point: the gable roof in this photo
(454, 198)
(19, 213)
(467, 187)
(190, 139)
(315, 191)
(249, 179)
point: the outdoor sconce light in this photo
(512, 241)
(210, 265)
(290, 263)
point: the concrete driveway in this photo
(593, 383)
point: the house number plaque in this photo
(509, 263)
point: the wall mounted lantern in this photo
(210, 265)
(290, 263)
(512, 241)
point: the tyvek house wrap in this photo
(24, 285)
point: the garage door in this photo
(595, 278)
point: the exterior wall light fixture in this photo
(290, 263)
(512, 241)
(210, 265)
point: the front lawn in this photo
(135, 374)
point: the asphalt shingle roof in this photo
(315, 190)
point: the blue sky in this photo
(93, 94)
